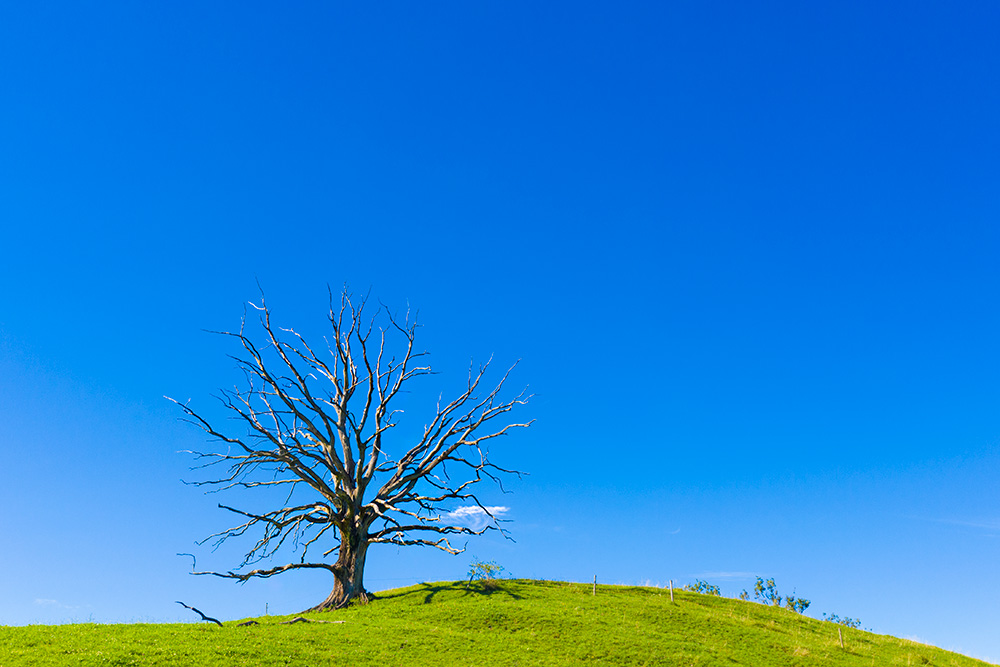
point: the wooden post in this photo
(841, 635)
(671, 590)
(595, 585)
(265, 609)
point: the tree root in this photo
(297, 619)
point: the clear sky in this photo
(748, 256)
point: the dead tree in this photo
(321, 426)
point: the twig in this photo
(203, 617)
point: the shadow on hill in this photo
(465, 588)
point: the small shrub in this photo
(797, 605)
(703, 587)
(846, 620)
(766, 592)
(487, 572)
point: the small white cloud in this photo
(52, 604)
(473, 516)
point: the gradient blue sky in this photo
(747, 255)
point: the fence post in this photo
(671, 590)
(595, 585)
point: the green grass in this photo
(520, 623)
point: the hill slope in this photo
(521, 623)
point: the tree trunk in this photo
(350, 572)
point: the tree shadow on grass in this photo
(465, 588)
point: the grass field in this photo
(520, 623)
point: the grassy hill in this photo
(520, 623)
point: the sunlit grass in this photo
(520, 623)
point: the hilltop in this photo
(519, 622)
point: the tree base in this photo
(337, 600)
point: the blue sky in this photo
(747, 256)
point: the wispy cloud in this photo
(473, 516)
(989, 525)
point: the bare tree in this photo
(320, 426)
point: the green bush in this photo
(487, 572)
(797, 605)
(766, 592)
(703, 587)
(846, 620)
